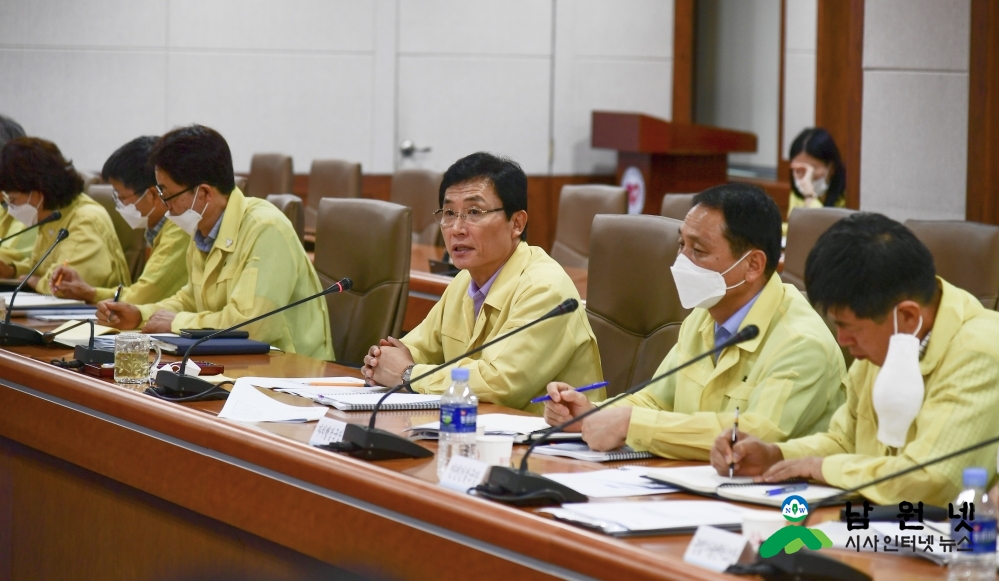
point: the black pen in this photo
(735, 429)
(117, 293)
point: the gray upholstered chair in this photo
(576, 208)
(330, 178)
(370, 242)
(966, 254)
(676, 206)
(419, 189)
(270, 173)
(292, 207)
(804, 227)
(631, 299)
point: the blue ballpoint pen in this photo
(786, 489)
(597, 385)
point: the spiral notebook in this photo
(365, 402)
(706, 480)
(580, 451)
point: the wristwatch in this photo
(406, 373)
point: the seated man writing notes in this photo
(165, 272)
(923, 385)
(504, 284)
(787, 382)
(244, 258)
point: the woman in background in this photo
(36, 180)
(818, 177)
(19, 248)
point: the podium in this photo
(656, 157)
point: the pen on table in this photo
(597, 385)
(58, 280)
(735, 430)
(786, 489)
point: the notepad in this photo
(524, 429)
(625, 519)
(248, 404)
(706, 480)
(580, 451)
(80, 335)
(397, 401)
(25, 300)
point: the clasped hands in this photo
(385, 362)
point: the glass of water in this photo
(131, 358)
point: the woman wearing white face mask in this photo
(37, 180)
(136, 200)
(818, 177)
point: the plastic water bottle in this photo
(980, 562)
(459, 408)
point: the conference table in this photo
(101, 482)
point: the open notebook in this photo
(705, 480)
(524, 429)
(627, 519)
(365, 402)
(580, 451)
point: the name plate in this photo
(463, 473)
(714, 548)
(328, 431)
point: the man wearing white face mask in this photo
(244, 259)
(787, 382)
(165, 271)
(924, 382)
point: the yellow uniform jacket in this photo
(164, 274)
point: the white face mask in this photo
(898, 390)
(131, 214)
(819, 186)
(24, 213)
(698, 286)
(189, 220)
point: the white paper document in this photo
(26, 300)
(247, 404)
(328, 431)
(630, 518)
(310, 387)
(620, 482)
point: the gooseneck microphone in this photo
(12, 334)
(370, 443)
(83, 353)
(524, 488)
(55, 215)
(177, 386)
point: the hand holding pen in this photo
(735, 432)
(597, 385)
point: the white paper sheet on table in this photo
(629, 518)
(247, 404)
(300, 385)
(614, 483)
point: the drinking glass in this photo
(131, 358)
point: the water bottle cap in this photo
(977, 477)
(459, 374)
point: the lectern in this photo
(656, 157)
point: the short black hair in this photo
(506, 176)
(129, 164)
(195, 155)
(31, 164)
(818, 143)
(752, 219)
(9, 129)
(869, 263)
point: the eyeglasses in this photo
(446, 217)
(117, 197)
(165, 198)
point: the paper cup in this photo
(494, 450)
(758, 525)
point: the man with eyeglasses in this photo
(136, 198)
(504, 284)
(244, 259)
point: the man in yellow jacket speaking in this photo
(135, 196)
(243, 261)
(923, 384)
(785, 383)
(504, 284)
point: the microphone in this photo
(12, 334)
(176, 385)
(55, 215)
(83, 353)
(524, 488)
(370, 443)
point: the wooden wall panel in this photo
(983, 114)
(839, 83)
(684, 41)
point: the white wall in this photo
(337, 78)
(914, 134)
(800, 39)
(738, 72)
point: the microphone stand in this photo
(523, 488)
(370, 443)
(83, 353)
(12, 334)
(55, 215)
(176, 385)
